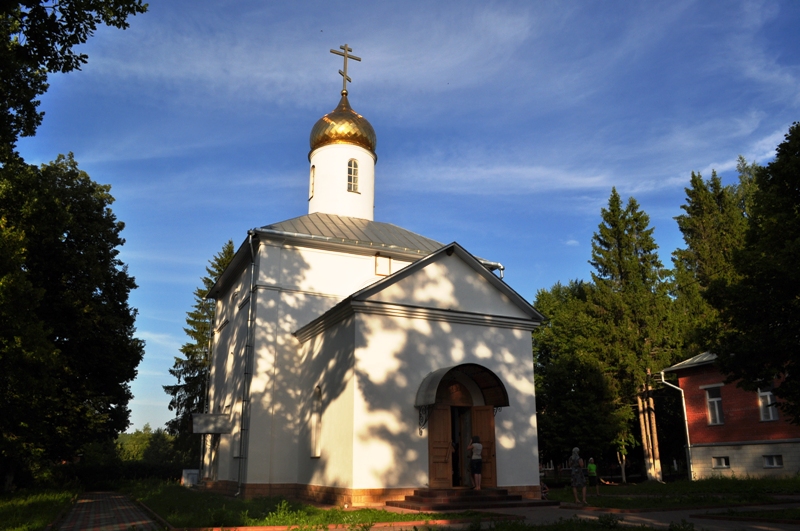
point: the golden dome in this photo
(343, 126)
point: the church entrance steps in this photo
(465, 500)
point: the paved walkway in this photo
(107, 511)
(111, 511)
(657, 520)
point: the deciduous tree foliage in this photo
(188, 395)
(39, 37)
(67, 345)
(574, 400)
(760, 308)
(149, 446)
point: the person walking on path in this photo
(592, 469)
(576, 475)
(476, 463)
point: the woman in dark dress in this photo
(576, 475)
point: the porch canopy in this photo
(493, 390)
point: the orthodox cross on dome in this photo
(346, 54)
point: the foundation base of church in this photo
(336, 495)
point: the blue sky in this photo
(501, 125)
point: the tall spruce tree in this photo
(189, 394)
(760, 309)
(632, 304)
(713, 227)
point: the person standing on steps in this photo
(592, 470)
(476, 463)
(576, 475)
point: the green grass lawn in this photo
(184, 507)
(688, 494)
(32, 510)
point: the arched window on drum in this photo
(352, 175)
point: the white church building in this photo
(352, 360)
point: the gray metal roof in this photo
(701, 359)
(356, 231)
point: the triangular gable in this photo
(450, 279)
(479, 292)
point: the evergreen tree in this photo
(191, 370)
(632, 304)
(760, 307)
(713, 228)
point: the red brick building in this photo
(733, 431)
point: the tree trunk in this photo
(651, 410)
(646, 447)
(621, 458)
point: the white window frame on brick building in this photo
(721, 462)
(766, 407)
(714, 404)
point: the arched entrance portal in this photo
(460, 402)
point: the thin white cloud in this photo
(146, 372)
(571, 243)
(253, 63)
(157, 342)
(149, 402)
(754, 60)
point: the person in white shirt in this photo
(476, 463)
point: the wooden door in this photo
(440, 470)
(483, 427)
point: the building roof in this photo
(354, 231)
(342, 232)
(705, 358)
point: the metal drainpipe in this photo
(244, 426)
(206, 409)
(686, 426)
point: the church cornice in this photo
(332, 317)
(350, 307)
(438, 314)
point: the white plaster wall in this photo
(295, 285)
(329, 364)
(448, 283)
(392, 357)
(746, 460)
(260, 426)
(318, 272)
(330, 182)
(227, 370)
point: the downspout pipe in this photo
(209, 361)
(685, 425)
(493, 266)
(244, 426)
